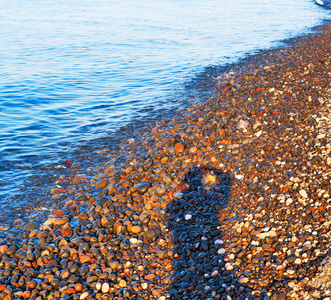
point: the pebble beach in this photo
(229, 199)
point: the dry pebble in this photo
(228, 200)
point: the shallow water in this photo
(77, 71)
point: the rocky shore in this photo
(228, 200)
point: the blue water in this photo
(74, 71)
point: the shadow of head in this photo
(194, 222)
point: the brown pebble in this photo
(101, 184)
(179, 147)
(136, 229)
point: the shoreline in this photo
(229, 200)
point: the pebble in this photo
(188, 217)
(143, 187)
(303, 193)
(105, 287)
(30, 226)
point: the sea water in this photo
(72, 72)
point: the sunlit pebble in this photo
(303, 193)
(218, 242)
(84, 295)
(221, 251)
(214, 273)
(133, 240)
(204, 238)
(105, 287)
(144, 285)
(98, 285)
(228, 267)
(188, 217)
(289, 201)
(239, 176)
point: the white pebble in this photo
(105, 287)
(228, 267)
(84, 295)
(297, 261)
(98, 285)
(221, 251)
(188, 217)
(289, 201)
(303, 193)
(144, 285)
(218, 242)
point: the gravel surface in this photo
(228, 200)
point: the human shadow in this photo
(199, 269)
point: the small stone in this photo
(179, 147)
(188, 217)
(84, 295)
(3, 249)
(102, 184)
(105, 287)
(60, 221)
(289, 201)
(30, 226)
(150, 234)
(143, 187)
(144, 285)
(228, 267)
(205, 246)
(122, 283)
(26, 295)
(243, 280)
(11, 250)
(221, 251)
(242, 124)
(150, 277)
(160, 253)
(303, 193)
(85, 259)
(136, 229)
(98, 286)
(179, 195)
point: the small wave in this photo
(325, 3)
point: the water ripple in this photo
(79, 70)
